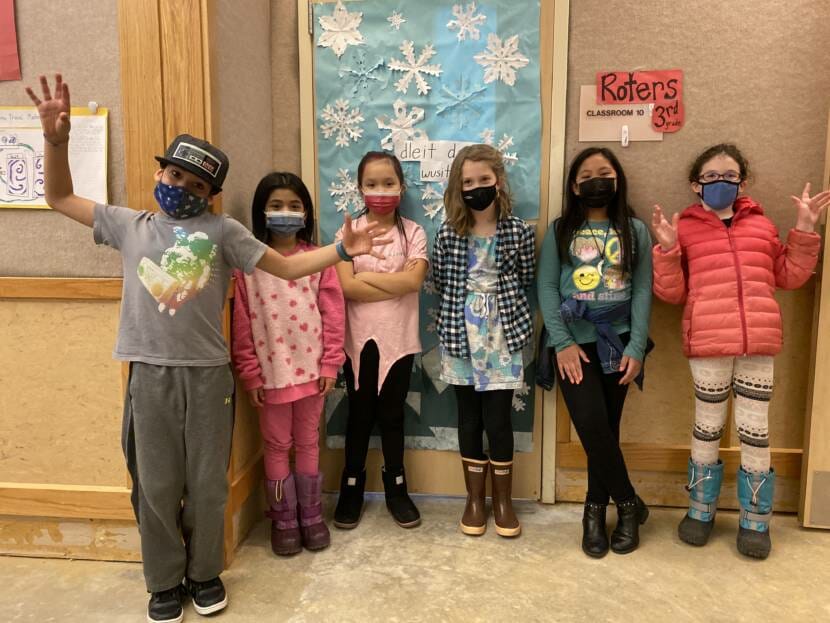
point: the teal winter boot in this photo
(755, 497)
(704, 489)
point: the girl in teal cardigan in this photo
(594, 286)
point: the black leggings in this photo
(480, 411)
(596, 407)
(366, 407)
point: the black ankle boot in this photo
(398, 502)
(594, 534)
(350, 503)
(630, 515)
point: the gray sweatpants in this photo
(176, 437)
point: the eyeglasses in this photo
(714, 176)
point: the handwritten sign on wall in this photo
(663, 88)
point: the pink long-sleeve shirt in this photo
(287, 333)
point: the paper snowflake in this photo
(432, 199)
(345, 192)
(402, 126)
(395, 20)
(414, 68)
(506, 142)
(520, 396)
(501, 60)
(361, 74)
(342, 120)
(460, 102)
(466, 21)
(340, 29)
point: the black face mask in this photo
(480, 198)
(597, 192)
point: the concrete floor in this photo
(379, 572)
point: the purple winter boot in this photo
(312, 527)
(285, 532)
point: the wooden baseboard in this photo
(65, 501)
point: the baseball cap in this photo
(198, 157)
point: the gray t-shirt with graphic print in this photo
(176, 276)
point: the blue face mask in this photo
(719, 195)
(176, 202)
(284, 223)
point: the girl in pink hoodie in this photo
(287, 347)
(723, 259)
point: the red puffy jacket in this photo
(727, 277)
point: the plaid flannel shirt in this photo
(516, 261)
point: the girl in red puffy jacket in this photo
(722, 258)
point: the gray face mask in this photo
(284, 223)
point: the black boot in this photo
(398, 502)
(594, 534)
(350, 503)
(630, 515)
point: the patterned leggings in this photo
(750, 378)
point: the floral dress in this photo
(491, 365)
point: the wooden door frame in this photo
(553, 68)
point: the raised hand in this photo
(53, 111)
(664, 232)
(362, 241)
(809, 208)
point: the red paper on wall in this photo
(9, 59)
(663, 88)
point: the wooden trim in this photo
(69, 501)
(141, 98)
(658, 458)
(817, 423)
(243, 483)
(308, 148)
(59, 288)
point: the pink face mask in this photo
(382, 203)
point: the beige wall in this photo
(285, 63)
(755, 73)
(241, 58)
(79, 39)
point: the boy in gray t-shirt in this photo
(178, 415)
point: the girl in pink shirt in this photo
(381, 341)
(287, 347)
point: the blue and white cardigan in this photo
(516, 262)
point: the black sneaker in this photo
(208, 597)
(166, 606)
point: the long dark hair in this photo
(270, 183)
(574, 213)
(372, 156)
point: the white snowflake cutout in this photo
(432, 327)
(466, 21)
(342, 120)
(395, 20)
(488, 138)
(520, 397)
(432, 199)
(345, 192)
(501, 60)
(340, 29)
(414, 68)
(402, 126)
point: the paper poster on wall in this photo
(9, 57)
(605, 122)
(422, 80)
(21, 156)
(662, 88)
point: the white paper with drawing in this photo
(21, 156)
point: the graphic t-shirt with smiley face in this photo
(595, 275)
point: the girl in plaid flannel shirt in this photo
(483, 263)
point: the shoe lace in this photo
(755, 490)
(707, 475)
